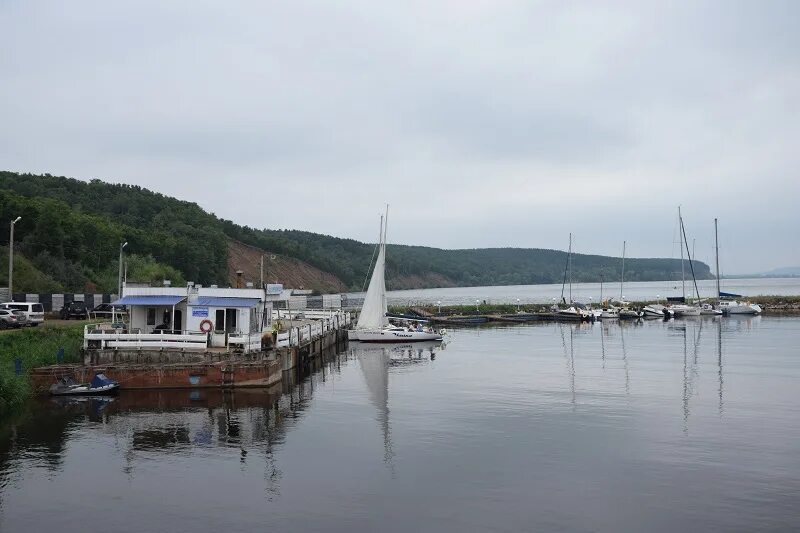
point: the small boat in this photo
(708, 310)
(680, 310)
(628, 313)
(735, 307)
(609, 313)
(99, 385)
(573, 313)
(656, 311)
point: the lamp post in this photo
(517, 305)
(11, 260)
(477, 303)
(119, 282)
(439, 303)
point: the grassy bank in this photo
(36, 347)
(770, 304)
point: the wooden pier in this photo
(164, 368)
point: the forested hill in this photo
(70, 233)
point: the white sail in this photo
(373, 312)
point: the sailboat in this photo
(572, 312)
(683, 309)
(373, 324)
(726, 302)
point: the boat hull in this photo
(392, 336)
(83, 390)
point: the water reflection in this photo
(375, 361)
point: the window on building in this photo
(219, 320)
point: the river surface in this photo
(586, 292)
(657, 426)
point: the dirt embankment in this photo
(293, 273)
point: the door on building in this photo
(178, 326)
(230, 320)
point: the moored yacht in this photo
(656, 311)
(373, 324)
(708, 310)
(735, 307)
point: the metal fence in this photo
(54, 302)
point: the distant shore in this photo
(771, 305)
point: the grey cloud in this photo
(496, 123)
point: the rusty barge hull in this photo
(230, 373)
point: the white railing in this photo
(246, 342)
(100, 339)
(101, 336)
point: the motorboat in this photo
(609, 313)
(656, 311)
(100, 385)
(682, 310)
(734, 307)
(628, 313)
(708, 310)
(573, 313)
(373, 323)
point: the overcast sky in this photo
(482, 123)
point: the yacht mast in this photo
(691, 265)
(567, 269)
(569, 258)
(680, 238)
(622, 278)
(716, 247)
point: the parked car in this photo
(10, 318)
(109, 311)
(74, 310)
(34, 312)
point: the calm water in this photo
(585, 292)
(660, 426)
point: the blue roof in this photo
(219, 301)
(150, 300)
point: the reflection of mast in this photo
(375, 367)
(689, 373)
(603, 345)
(719, 362)
(625, 360)
(570, 359)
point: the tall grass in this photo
(36, 347)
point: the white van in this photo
(34, 311)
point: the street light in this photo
(439, 303)
(517, 305)
(11, 260)
(477, 303)
(119, 281)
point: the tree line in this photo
(71, 231)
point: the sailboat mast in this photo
(716, 247)
(622, 278)
(569, 258)
(566, 268)
(680, 237)
(691, 265)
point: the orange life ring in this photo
(206, 326)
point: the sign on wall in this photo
(200, 311)
(274, 288)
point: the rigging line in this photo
(691, 265)
(371, 261)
